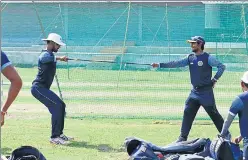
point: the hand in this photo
(214, 81)
(2, 118)
(63, 58)
(154, 65)
(238, 139)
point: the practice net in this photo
(120, 33)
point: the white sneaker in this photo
(58, 141)
(66, 138)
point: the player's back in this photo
(243, 114)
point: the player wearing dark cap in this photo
(200, 66)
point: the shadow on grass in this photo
(6, 151)
(99, 147)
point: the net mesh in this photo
(122, 33)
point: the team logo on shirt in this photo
(200, 63)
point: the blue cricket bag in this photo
(197, 149)
(26, 153)
(139, 149)
(222, 149)
(143, 152)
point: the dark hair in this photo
(48, 42)
(246, 84)
(202, 46)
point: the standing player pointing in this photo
(200, 65)
(41, 87)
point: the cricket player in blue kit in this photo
(41, 87)
(200, 66)
(16, 84)
(239, 106)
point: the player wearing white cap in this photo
(239, 106)
(42, 83)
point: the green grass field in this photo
(128, 93)
(135, 103)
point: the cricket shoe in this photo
(66, 138)
(58, 141)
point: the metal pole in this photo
(44, 34)
(167, 31)
(1, 76)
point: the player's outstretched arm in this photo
(63, 58)
(173, 64)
